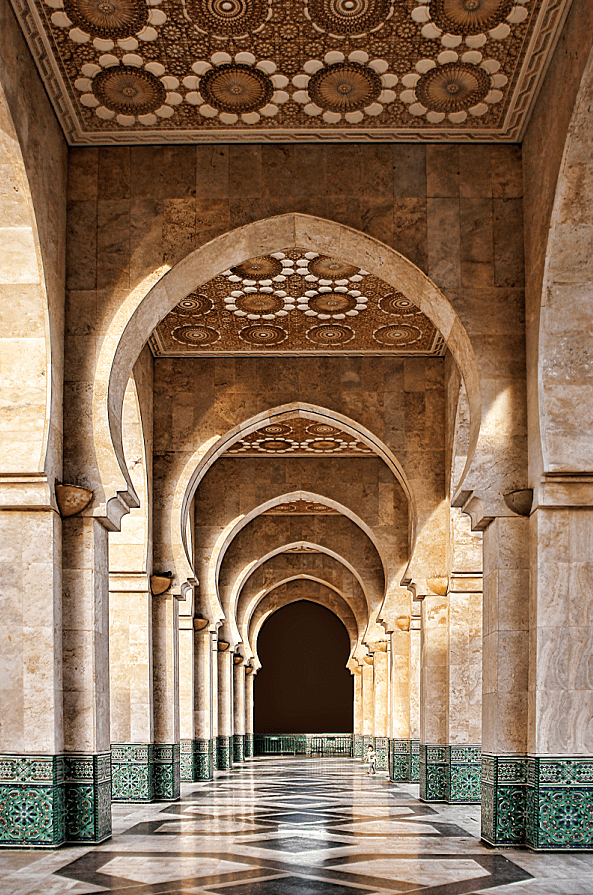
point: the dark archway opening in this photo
(303, 685)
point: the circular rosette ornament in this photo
(397, 335)
(196, 335)
(474, 20)
(263, 335)
(332, 302)
(326, 271)
(107, 21)
(330, 335)
(128, 91)
(226, 18)
(264, 270)
(259, 301)
(236, 88)
(348, 18)
(194, 305)
(453, 87)
(340, 88)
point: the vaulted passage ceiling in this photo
(299, 302)
(217, 70)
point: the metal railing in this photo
(314, 744)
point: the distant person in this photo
(372, 761)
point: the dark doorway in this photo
(303, 685)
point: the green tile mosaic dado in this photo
(248, 745)
(503, 799)
(132, 778)
(196, 760)
(166, 771)
(303, 744)
(32, 805)
(356, 745)
(433, 767)
(87, 789)
(382, 752)
(414, 761)
(224, 757)
(464, 774)
(238, 748)
(399, 760)
(559, 803)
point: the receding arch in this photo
(30, 391)
(203, 459)
(233, 529)
(149, 303)
(565, 343)
(324, 595)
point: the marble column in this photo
(559, 772)
(399, 713)
(224, 755)
(414, 691)
(186, 699)
(357, 713)
(381, 704)
(31, 794)
(85, 641)
(205, 685)
(433, 697)
(238, 709)
(131, 687)
(249, 678)
(367, 705)
(505, 651)
(165, 632)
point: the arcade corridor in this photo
(295, 827)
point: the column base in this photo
(503, 799)
(356, 745)
(224, 761)
(248, 745)
(464, 774)
(32, 801)
(238, 747)
(414, 761)
(196, 760)
(87, 788)
(167, 772)
(132, 778)
(366, 742)
(382, 751)
(433, 773)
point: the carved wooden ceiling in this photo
(146, 71)
(295, 302)
(299, 437)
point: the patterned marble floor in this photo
(295, 827)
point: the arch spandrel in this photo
(133, 325)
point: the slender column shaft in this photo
(367, 704)
(239, 712)
(433, 697)
(165, 629)
(381, 707)
(225, 710)
(249, 678)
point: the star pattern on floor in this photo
(289, 827)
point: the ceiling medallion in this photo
(276, 445)
(195, 335)
(453, 87)
(348, 17)
(261, 268)
(344, 87)
(331, 268)
(321, 429)
(128, 90)
(263, 335)
(396, 304)
(397, 335)
(236, 88)
(108, 18)
(275, 429)
(194, 305)
(337, 302)
(469, 16)
(228, 17)
(256, 302)
(330, 334)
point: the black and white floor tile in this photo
(295, 827)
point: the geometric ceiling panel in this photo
(146, 71)
(301, 508)
(296, 302)
(299, 437)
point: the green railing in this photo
(303, 744)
